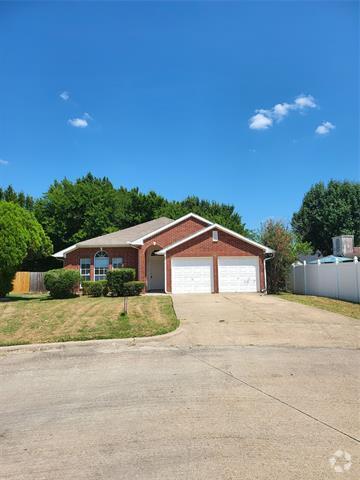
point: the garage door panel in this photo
(191, 275)
(238, 274)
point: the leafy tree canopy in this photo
(21, 236)
(9, 195)
(74, 211)
(276, 235)
(216, 212)
(327, 211)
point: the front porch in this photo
(154, 270)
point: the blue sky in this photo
(216, 99)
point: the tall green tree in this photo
(74, 211)
(21, 236)
(216, 212)
(10, 195)
(327, 211)
(276, 235)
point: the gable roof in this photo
(140, 240)
(127, 235)
(135, 236)
(121, 238)
(217, 227)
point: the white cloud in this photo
(3, 162)
(65, 95)
(87, 116)
(324, 128)
(78, 122)
(260, 121)
(263, 119)
(305, 101)
(281, 110)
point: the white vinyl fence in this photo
(334, 280)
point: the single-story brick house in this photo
(187, 255)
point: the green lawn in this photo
(39, 319)
(337, 306)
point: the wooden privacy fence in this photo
(334, 280)
(26, 282)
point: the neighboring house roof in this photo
(121, 237)
(309, 258)
(217, 227)
(332, 259)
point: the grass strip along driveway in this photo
(330, 304)
(39, 319)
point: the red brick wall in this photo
(130, 256)
(167, 237)
(203, 246)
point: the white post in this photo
(304, 277)
(356, 266)
(337, 277)
(318, 276)
(294, 276)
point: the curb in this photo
(131, 341)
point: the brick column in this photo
(216, 274)
(141, 265)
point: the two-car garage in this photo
(196, 274)
(215, 260)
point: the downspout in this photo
(165, 274)
(265, 278)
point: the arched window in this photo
(101, 254)
(101, 265)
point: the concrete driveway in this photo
(195, 405)
(253, 319)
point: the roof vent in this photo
(215, 235)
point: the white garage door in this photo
(191, 275)
(238, 274)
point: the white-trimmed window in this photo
(85, 268)
(101, 265)
(215, 235)
(117, 262)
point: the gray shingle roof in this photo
(121, 237)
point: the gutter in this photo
(77, 246)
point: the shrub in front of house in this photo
(117, 278)
(95, 289)
(85, 284)
(6, 281)
(134, 288)
(62, 283)
(105, 287)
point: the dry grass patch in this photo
(330, 304)
(39, 319)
